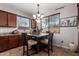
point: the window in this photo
(54, 23)
(54, 20)
(23, 22)
(51, 23)
(45, 22)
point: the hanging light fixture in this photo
(38, 16)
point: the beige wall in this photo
(67, 34)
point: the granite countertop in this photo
(8, 34)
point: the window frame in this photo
(53, 26)
(20, 27)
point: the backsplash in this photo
(9, 30)
(6, 30)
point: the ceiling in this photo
(31, 8)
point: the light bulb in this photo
(38, 21)
(38, 15)
(42, 16)
(34, 16)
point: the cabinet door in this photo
(4, 43)
(13, 41)
(33, 23)
(3, 18)
(11, 20)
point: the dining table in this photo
(38, 38)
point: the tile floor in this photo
(57, 51)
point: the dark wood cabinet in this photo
(11, 20)
(3, 18)
(13, 41)
(33, 23)
(7, 19)
(4, 43)
(10, 42)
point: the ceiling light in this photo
(38, 16)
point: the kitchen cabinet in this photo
(11, 20)
(13, 41)
(10, 41)
(7, 19)
(4, 43)
(3, 18)
(33, 23)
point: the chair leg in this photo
(23, 50)
(51, 46)
(37, 46)
(27, 50)
(49, 51)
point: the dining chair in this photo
(27, 43)
(48, 42)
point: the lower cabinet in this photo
(10, 42)
(13, 41)
(4, 43)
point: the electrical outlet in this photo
(62, 41)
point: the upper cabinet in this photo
(7, 19)
(11, 20)
(3, 18)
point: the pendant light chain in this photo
(38, 16)
(38, 8)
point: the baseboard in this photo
(61, 46)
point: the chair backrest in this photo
(24, 37)
(50, 37)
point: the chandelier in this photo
(38, 16)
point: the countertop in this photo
(8, 34)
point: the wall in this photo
(12, 10)
(6, 30)
(67, 34)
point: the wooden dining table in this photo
(38, 38)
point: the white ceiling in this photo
(31, 8)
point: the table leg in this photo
(51, 45)
(37, 45)
(23, 50)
